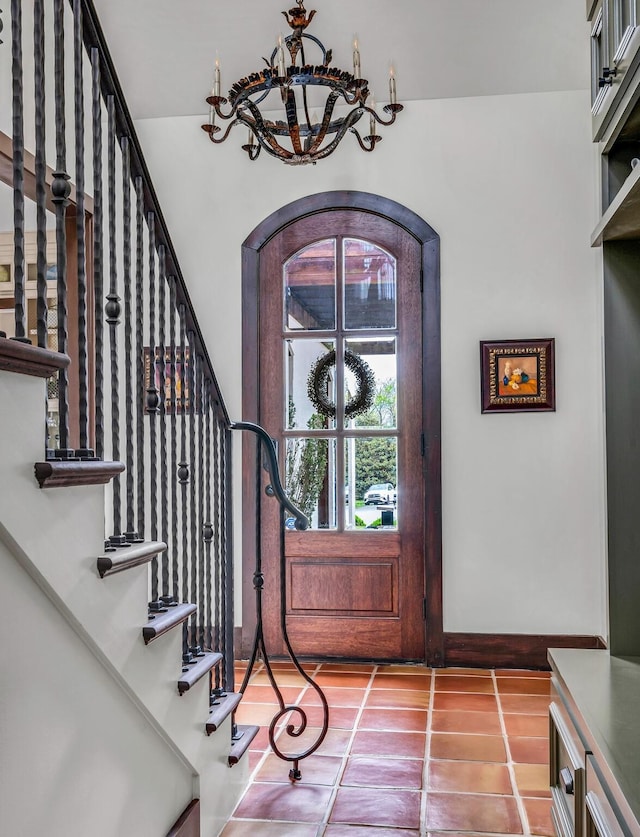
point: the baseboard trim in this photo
(510, 650)
(240, 652)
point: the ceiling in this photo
(164, 51)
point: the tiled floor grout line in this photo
(524, 819)
(424, 802)
(345, 757)
(258, 667)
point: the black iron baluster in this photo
(258, 580)
(60, 191)
(153, 400)
(217, 524)
(41, 173)
(201, 491)
(183, 466)
(98, 243)
(18, 172)
(83, 371)
(175, 550)
(226, 557)
(191, 372)
(130, 532)
(164, 468)
(140, 388)
(112, 312)
(208, 527)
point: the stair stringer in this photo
(59, 552)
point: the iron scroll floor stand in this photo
(266, 445)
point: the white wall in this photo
(78, 759)
(508, 182)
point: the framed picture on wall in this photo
(517, 375)
(167, 374)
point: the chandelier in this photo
(303, 137)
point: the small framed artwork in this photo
(154, 369)
(517, 375)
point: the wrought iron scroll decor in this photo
(266, 454)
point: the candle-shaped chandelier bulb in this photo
(281, 69)
(216, 78)
(356, 59)
(298, 138)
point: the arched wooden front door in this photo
(337, 370)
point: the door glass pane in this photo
(310, 288)
(371, 467)
(619, 21)
(597, 57)
(370, 369)
(369, 286)
(310, 475)
(310, 381)
(625, 16)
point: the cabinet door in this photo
(615, 56)
(600, 818)
(566, 763)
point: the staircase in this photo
(104, 731)
(117, 702)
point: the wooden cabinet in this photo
(595, 744)
(594, 718)
(566, 763)
(615, 55)
(616, 115)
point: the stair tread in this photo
(240, 747)
(198, 669)
(228, 703)
(128, 556)
(160, 623)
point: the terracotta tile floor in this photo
(409, 751)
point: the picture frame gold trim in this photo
(517, 375)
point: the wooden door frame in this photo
(431, 390)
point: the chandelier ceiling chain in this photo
(301, 138)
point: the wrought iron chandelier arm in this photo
(348, 124)
(216, 101)
(264, 136)
(373, 139)
(214, 129)
(392, 109)
(318, 138)
(291, 111)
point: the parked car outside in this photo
(379, 494)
